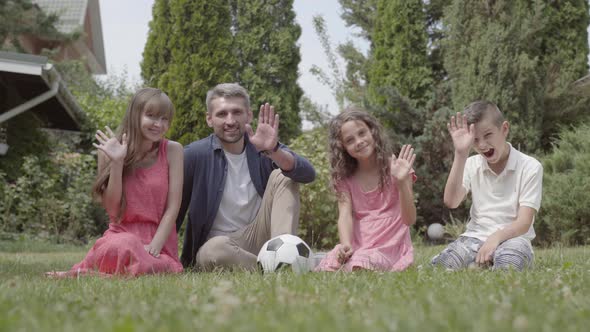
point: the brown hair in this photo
(342, 164)
(144, 100)
(227, 90)
(478, 110)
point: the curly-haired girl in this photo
(375, 196)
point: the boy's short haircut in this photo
(478, 110)
(227, 90)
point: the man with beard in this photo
(240, 186)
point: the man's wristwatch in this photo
(275, 149)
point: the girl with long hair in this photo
(375, 196)
(139, 183)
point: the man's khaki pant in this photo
(278, 214)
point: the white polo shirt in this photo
(497, 197)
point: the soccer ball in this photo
(435, 231)
(283, 252)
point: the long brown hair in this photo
(342, 164)
(144, 100)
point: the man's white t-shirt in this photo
(497, 197)
(240, 200)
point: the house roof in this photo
(25, 77)
(71, 12)
(72, 17)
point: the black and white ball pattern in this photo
(285, 251)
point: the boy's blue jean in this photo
(515, 253)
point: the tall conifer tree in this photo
(194, 45)
(199, 43)
(565, 57)
(268, 56)
(565, 46)
(157, 51)
(399, 56)
(359, 14)
(493, 52)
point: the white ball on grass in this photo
(435, 231)
(285, 252)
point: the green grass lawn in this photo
(554, 296)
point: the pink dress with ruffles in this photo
(120, 251)
(381, 241)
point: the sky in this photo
(125, 30)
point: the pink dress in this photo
(121, 248)
(380, 240)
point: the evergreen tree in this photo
(434, 10)
(565, 46)
(356, 74)
(399, 58)
(331, 76)
(200, 48)
(360, 14)
(565, 58)
(157, 51)
(492, 52)
(195, 45)
(265, 44)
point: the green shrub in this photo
(24, 138)
(52, 201)
(565, 208)
(455, 227)
(104, 101)
(319, 210)
(434, 156)
(44, 187)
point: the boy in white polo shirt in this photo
(505, 185)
